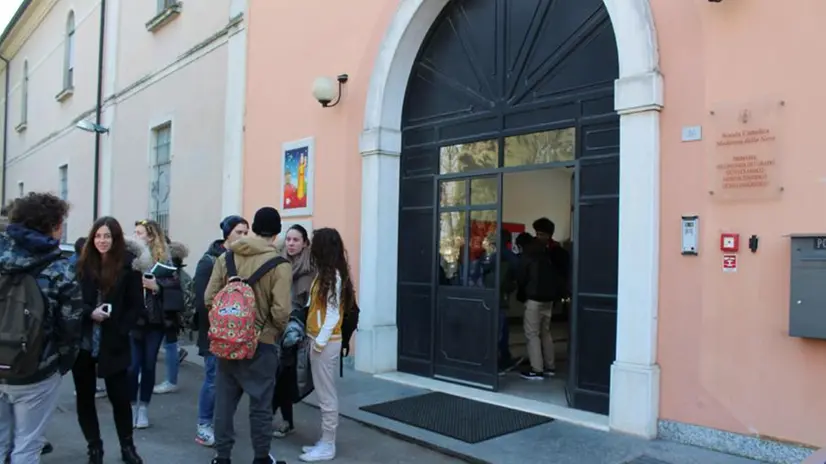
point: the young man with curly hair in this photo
(30, 371)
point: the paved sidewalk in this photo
(170, 439)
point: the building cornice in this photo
(23, 24)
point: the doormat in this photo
(645, 460)
(456, 417)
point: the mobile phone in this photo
(149, 276)
(106, 308)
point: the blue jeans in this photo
(24, 412)
(144, 360)
(171, 361)
(206, 400)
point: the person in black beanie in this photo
(256, 259)
(232, 228)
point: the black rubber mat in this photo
(646, 460)
(455, 417)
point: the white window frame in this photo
(69, 51)
(24, 95)
(158, 209)
(63, 192)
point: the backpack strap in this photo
(264, 269)
(232, 271)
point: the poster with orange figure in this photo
(297, 163)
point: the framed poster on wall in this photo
(298, 167)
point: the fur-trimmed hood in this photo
(178, 250)
(142, 260)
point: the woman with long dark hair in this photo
(163, 302)
(331, 295)
(109, 272)
(297, 251)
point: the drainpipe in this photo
(98, 111)
(5, 132)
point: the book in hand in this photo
(161, 270)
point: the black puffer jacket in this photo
(202, 274)
(127, 306)
(163, 309)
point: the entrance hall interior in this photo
(527, 196)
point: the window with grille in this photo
(24, 94)
(69, 70)
(64, 195)
(161, 182)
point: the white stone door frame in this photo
(635, 379)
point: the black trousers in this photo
(84, 374)
(284, 394)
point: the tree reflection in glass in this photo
(451, 247)
(467, 157)
(541, 147)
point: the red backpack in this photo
(233, 325)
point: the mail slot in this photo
(807, 302)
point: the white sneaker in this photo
(321, 452)
(205, 436)
(308, 448)
(142, 422)
(134, 415)
(164, 387)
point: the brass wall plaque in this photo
(745, 152)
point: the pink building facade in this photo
(171, 92)
(685, 122)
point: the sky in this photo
(7, 9)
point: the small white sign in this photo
(729, 263)
(692, 133)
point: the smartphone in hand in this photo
(149, 276)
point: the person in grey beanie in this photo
(232, 228)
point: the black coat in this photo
(200, 280)
(126, 298)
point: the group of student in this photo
(539, 277)
(106, 315)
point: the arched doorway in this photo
(492, 77)
(634, 376)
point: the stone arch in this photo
(638, 100)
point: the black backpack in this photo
(23, 309)
(349, 325)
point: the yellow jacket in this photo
(324, 316)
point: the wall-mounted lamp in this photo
(89, 126)
(325, 92)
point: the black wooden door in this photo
(490, 70)
(415, 304)
(594, 312)
(467, 309)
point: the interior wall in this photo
(533, 194)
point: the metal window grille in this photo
(24, 94)
(161, 184)
(69, 72)
(64, 195)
